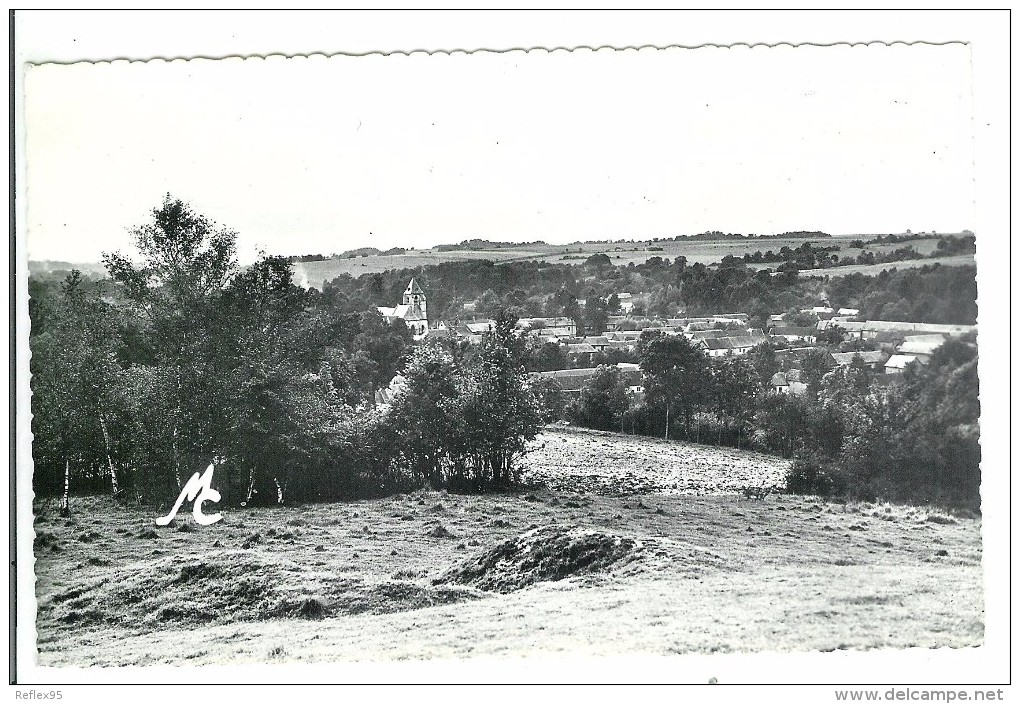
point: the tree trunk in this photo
(251, 485)
(667, 422)
(109, 460)
(65, 501)
(177, 421)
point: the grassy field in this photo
(670, 560)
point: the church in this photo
(412, 311)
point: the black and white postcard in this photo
(508, 354)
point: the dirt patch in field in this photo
(541, 555)
(612, 464)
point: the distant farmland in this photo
(872, 269)
(621, 253)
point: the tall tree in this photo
(603, 400)
(186, 262)
(501, 413)
(675, 376)
(427, 415)
(596, 314)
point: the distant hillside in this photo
(49, 266)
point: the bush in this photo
(807, 475)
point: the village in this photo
(885, 347)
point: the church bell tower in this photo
(415, 298)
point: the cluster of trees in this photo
(915, 439)
(949, 246)
(806, 256)
(687, 395)
(466, 414)
(143, 378)
(930, 294)
(718, 235)
(476, 244)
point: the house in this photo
(874, 360)
(779, 383)
(794, 334)
(699, 335)
(898, 362)
(412, 310)
(599, 343)
(582, 348)
(725, 346)
(849, 312)
(474, 330)
(921, 346)
(787, 383)
(626, 302)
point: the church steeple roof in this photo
(413, 287)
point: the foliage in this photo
(603, 400)
(501, 413)
(674, 370)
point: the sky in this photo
(321, 155)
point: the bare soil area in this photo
(674, 563)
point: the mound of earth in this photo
(229, 586)
(170, 593)
(541, 555)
